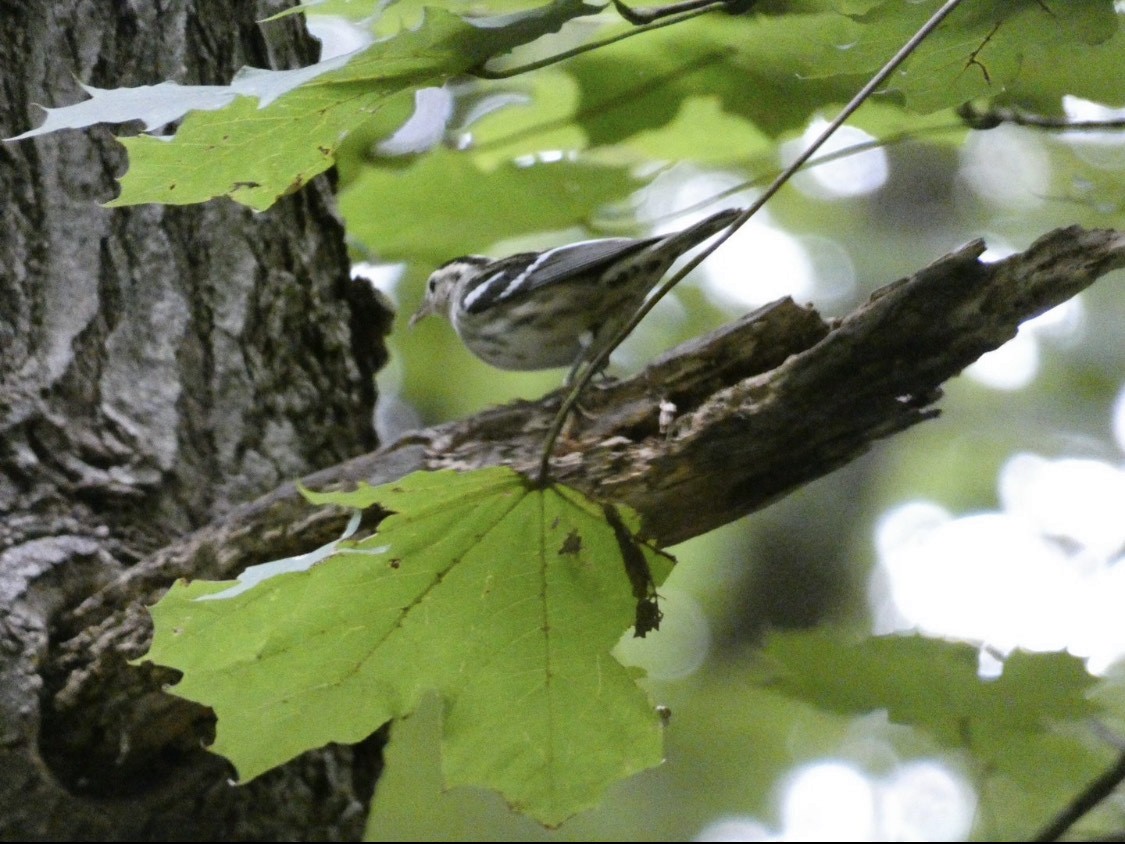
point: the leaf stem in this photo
(484, 73)
(597, 362)
(639, 17)
(627, 97)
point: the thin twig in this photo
(991, 118)
(598, 361)
(485, 73)
(639, 17)
(844, 152)
(627, 96)
(1084, 802)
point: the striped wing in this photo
(528, 271)
(579, 258)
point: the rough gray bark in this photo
(157, 366)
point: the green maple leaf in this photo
(504, 598)
(1027, 731)
(269, 132)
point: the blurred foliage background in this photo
(1007, 510)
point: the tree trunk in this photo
(158, 365)
(162, 365)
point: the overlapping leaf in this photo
(503, 598)
(883, 673)
(508, 202)
(1001, 49)
(776, 70)
(1027, 730)
(257, 148)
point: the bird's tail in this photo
(682, 241)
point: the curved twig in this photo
(990, 118)
(598, 361)
(484, 73)
(640, 17)
(1084, 802)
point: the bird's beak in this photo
(424, 311)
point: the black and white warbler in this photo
(539, 310)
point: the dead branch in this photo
(763, 405)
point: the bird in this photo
(548, 309)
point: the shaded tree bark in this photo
(157, 366)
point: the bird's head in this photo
(445, 282)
